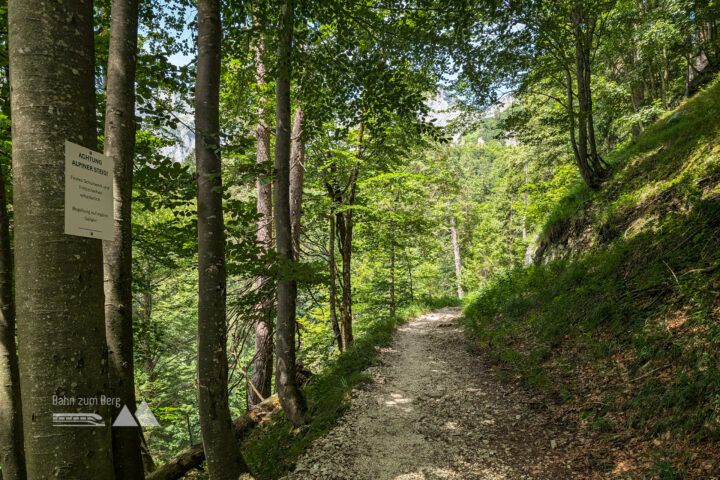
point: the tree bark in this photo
(117, 253)
(333, 284)
(263, 362)
(291, 397)
(344, 224)
(392, 278)
(525, 203)
(589, 161)
(193, 457)
(409, 265)
(223, 455)
(12, 452)
(456, 257)
(297, 174)
(59, 278)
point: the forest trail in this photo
(435, 411)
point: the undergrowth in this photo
(625, 322)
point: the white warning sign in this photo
(88, 193)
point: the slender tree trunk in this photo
(392, 278)
(689, 72)
(664, 79)
(12, 453)
(595, 159)
(525, 204)
(456, 257)
(580, 161)
(290, 396)
(117, 253)
(59, 277)
(297, 174)
(410, 277)
(637, 95)
(582, 106)
(585, 132)
(223, 455)
(263, 362)
(344, 226)
(333, 284)
(345, 230)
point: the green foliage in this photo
(634, 276)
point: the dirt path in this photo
(434, 411)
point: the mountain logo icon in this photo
(145, 417)
(125, 419)
(143, 414)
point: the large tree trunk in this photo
(59, 277)
(12, 453)
(117, 253)
(223, 455)
(291, 397)
(297, 175)
(456, 257)
(263, 361)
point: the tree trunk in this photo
(59, 277)
(12, 453)
(223, 455)
(291, 397)
(664, 78)
(584, 119)
(392, 278)
(117, 253)
(456, 257)
(525, 203)
(412, 294)
(333, 284)
(344, 223)
(193, 457)
(297, 171)
(580, 161)
(582, 28)
(263, 362)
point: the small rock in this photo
(553, 444)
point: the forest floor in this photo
(435, 411)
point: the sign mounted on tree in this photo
(88, 193)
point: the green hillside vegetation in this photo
(618, 316)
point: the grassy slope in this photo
(624, 324)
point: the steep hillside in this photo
(620, 315)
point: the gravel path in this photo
(434, 411)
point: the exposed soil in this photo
(435, 411)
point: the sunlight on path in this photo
(434, 411)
